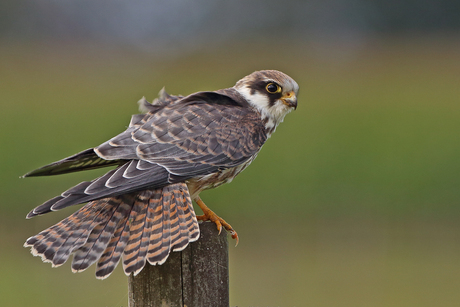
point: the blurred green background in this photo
(354, 201)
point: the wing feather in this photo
(197, 135)
(81, 161)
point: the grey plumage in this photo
(170, 144)
(142, 209)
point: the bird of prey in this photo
(142, 209)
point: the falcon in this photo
(141, 210)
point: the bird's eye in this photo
(273, 88)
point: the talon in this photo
(219, 226)
(209, 215)
(235, 236)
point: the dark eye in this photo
(273, 88)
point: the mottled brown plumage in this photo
(142, 210)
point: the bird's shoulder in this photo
(225, 108)
(191, 124)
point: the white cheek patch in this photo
(258, 100)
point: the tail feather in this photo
(186, 216)
(156, 231)
(92, 249)
(138, 227)
(136, 231)
(52, 244)
(112, 254)
(81, 231)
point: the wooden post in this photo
(196, 276)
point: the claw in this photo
(235, 236)
(219, 226)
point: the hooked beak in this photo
(290, 99)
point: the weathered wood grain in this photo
(197, 276)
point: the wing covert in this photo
(190, 138)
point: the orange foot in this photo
(209, 215)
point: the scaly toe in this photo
(209, 215)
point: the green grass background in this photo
(354, 201)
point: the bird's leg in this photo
(209, 215)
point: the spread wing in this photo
(198, 135)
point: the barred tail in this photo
(139, 227)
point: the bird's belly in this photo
(210, 181)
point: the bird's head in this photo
(271, 92)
